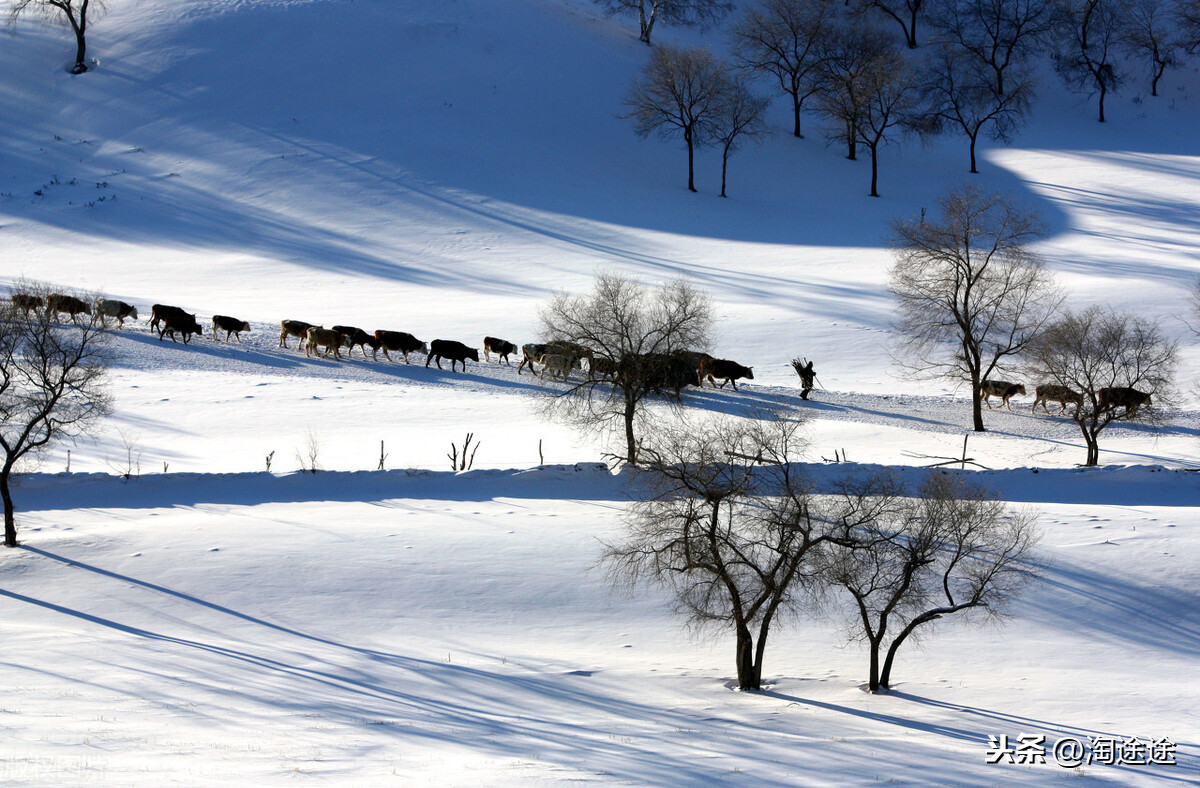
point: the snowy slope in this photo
(441, 168)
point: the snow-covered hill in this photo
(440, 168)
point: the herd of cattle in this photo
(1107, 398)
(660, 371)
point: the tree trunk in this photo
(910, 32)
(851, 143)
(796, 115)
(1157, 76)
(977, 403)
(80, 28)
(724, 167)
(873, 681)
(1103, 91)
(874, 170)
(687, 137)
(630, 441)
(973, 168)
(1093, 452)
(10, 521)
(749, 677)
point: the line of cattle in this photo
(660, 371)
(1115, 397)
(558, 359)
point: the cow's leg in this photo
(734, 382)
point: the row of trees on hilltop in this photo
(839, 60)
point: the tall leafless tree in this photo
(733, 540)
(678, 96)
(739, 117)
(1003, 34)
(1089, 34)
(852, 59)
(960, 94)
(970, 293)
(53, 385)
(782, 39)
(684, 13)
(1152, 33)
(75, 14)
(951, 550)
(892, 105)
(623, 321)
(1097, 349)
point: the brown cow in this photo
(317, 337)
(1002, 389)
(160, 312)
(1050, 392)
(293, 328)
(27, 302)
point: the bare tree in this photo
(678, 95)
(1152, 32)
(1094, 350)
(1089, 33)
(684, 13)
(782, 39)
(892, 93)
(852, 57)
(739, 116)
(969, 292)
(634, 328)
(1002, 34)
(1187, 18)
(960, 93)
(74, 13)
(732, 540)
(950, 551)
(53, 385)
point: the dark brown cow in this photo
(356, 337)
(293, 328)
(1050, 392)
(455, 351)
(27, 302)
(58, 302)
(401, 342)
(500, 347)
(728, 371)
(160, 312)
(185, 325)
(1002, 389)
(1123, 397)
(230, 325)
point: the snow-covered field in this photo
(440, 168)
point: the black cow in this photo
(455, 351)
(357, 337)
(230, 325)
(1123, 397)
(160, 312)
(58, 302)
(726, 370)
(185, 325)
(500, 347)
(401, 342)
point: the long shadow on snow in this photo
(490, 716)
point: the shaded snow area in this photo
(442, 168)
